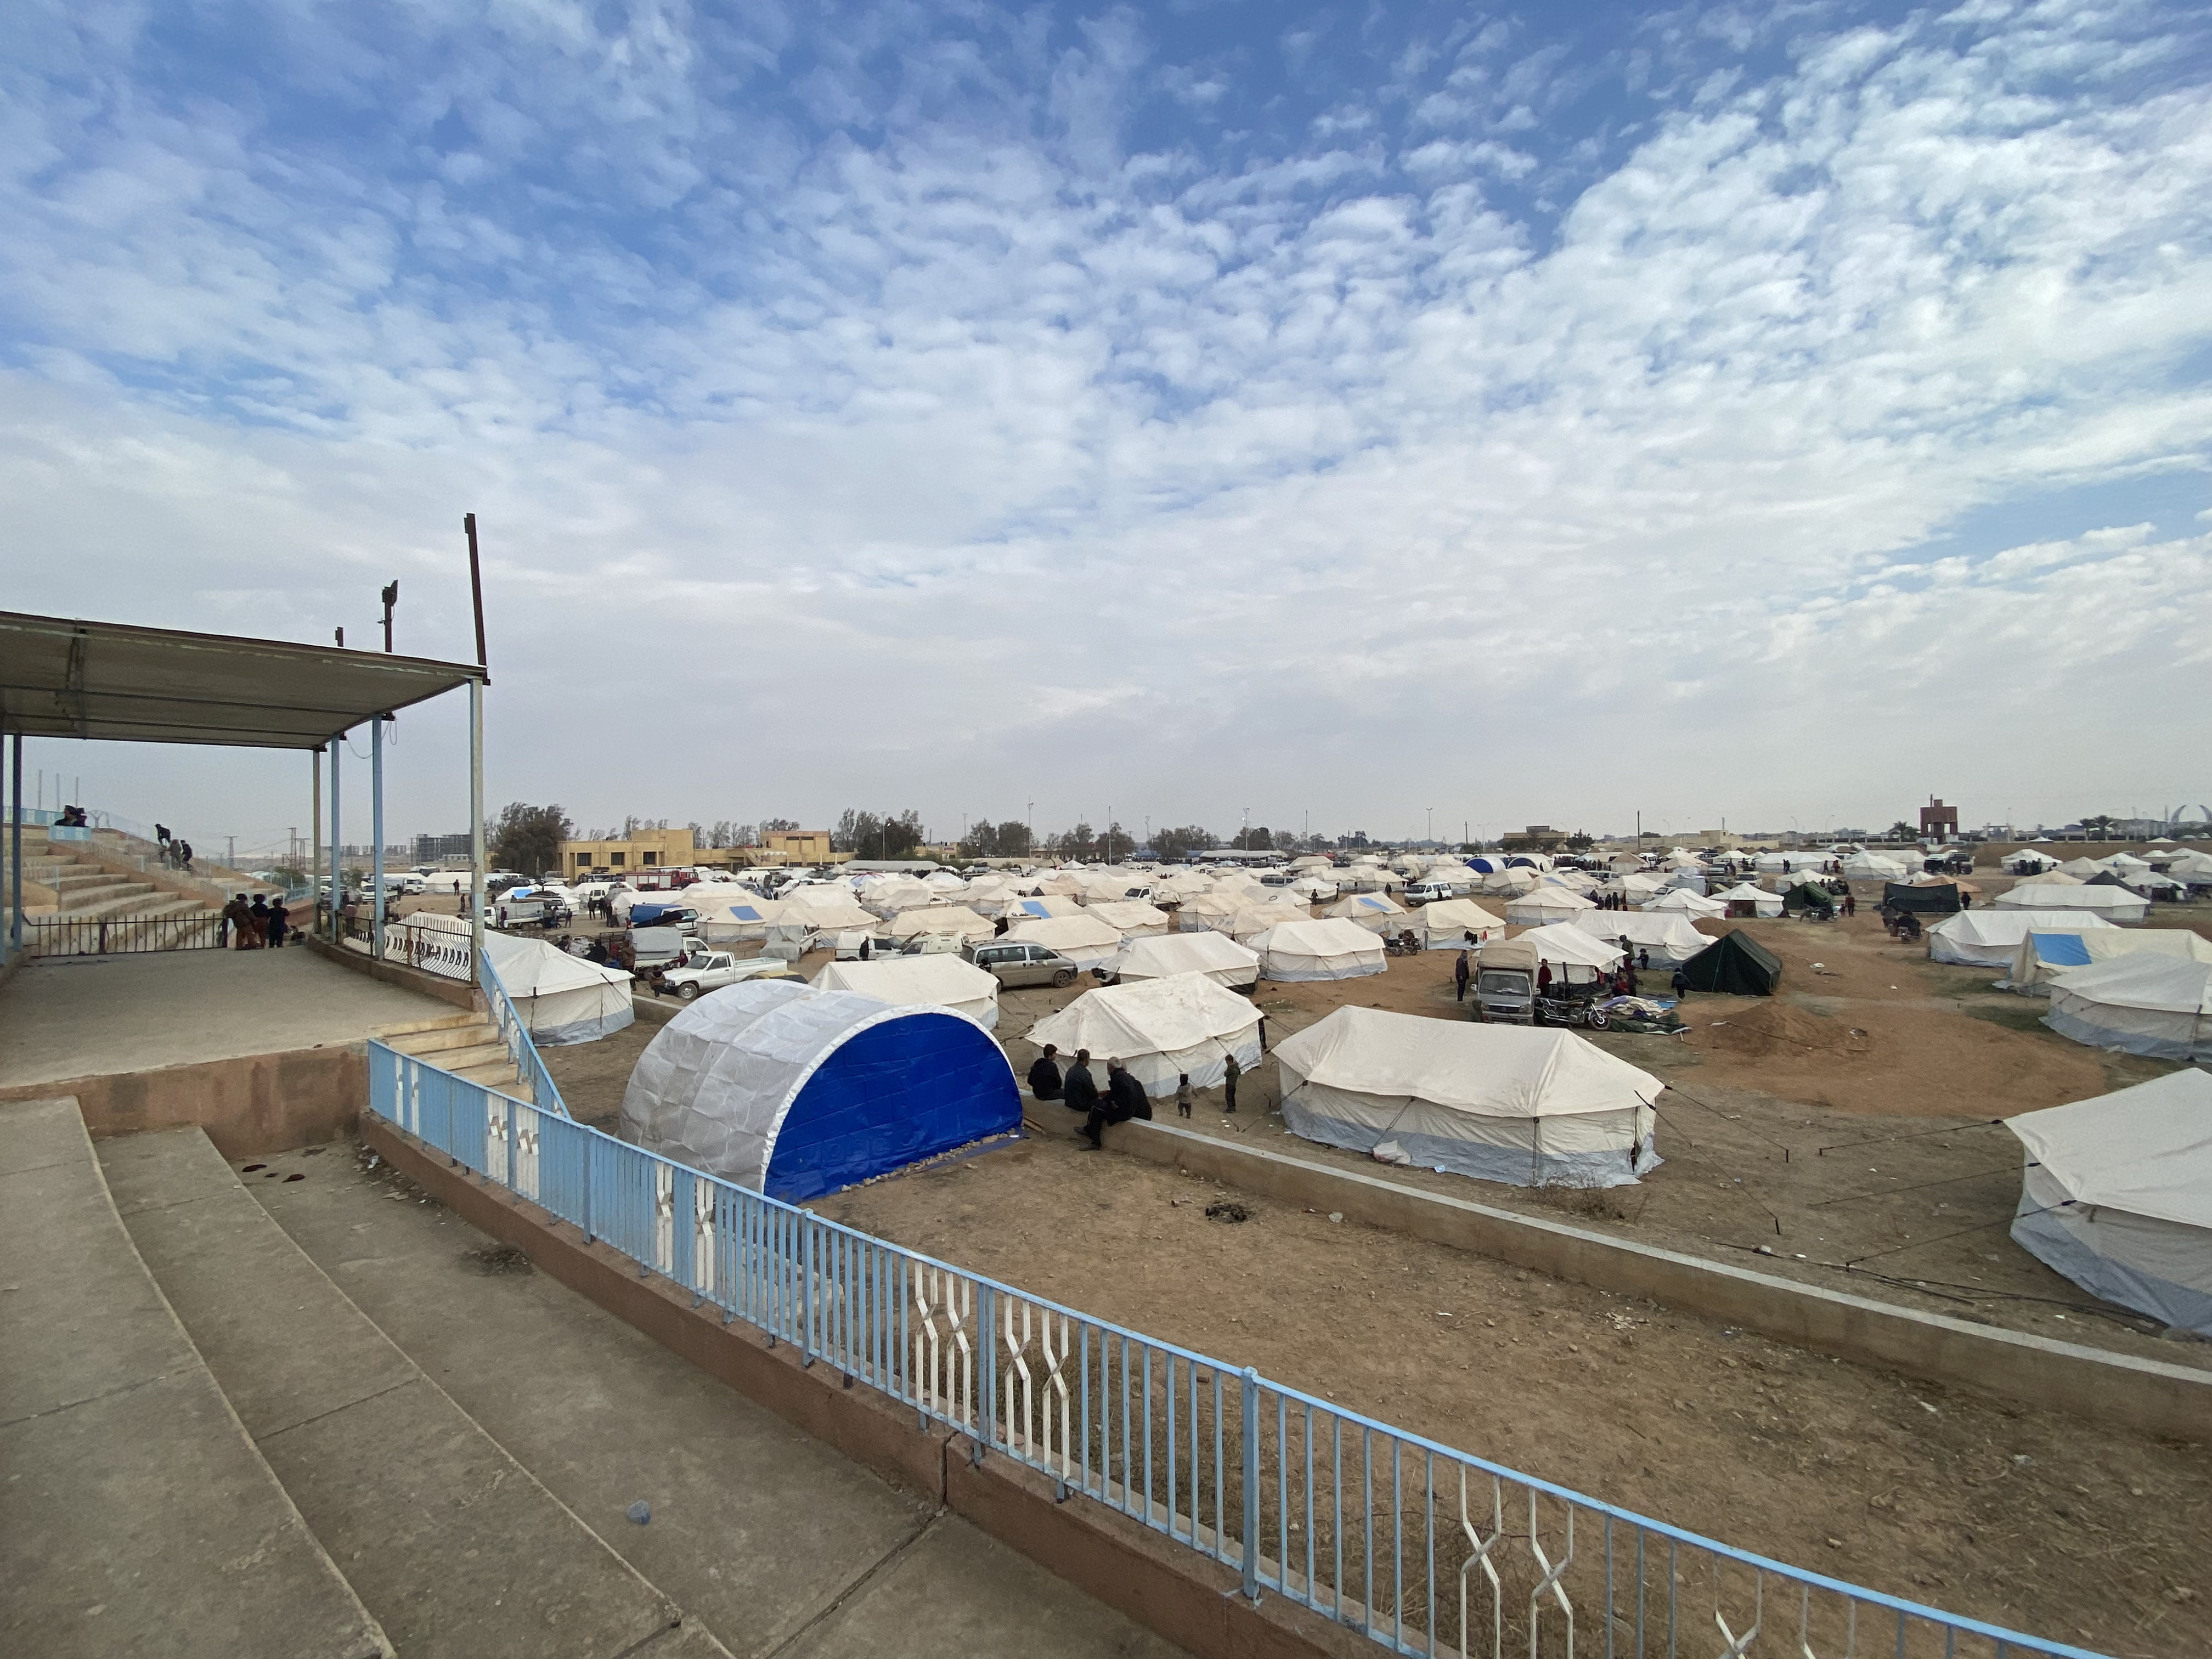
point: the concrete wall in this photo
(1167, 1587)
(249, 1106)
(2139, 1394)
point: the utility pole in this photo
(1110, 832)
(390, 597)
(1432, 826)
(230, 857)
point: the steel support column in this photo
(477, 873)
(15, 854)
(337, 861)
(376, 831)
(315, 840)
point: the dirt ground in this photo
(1847, 1126)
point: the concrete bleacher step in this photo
(450, 1542)
(137, 1516)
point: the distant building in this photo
(799, 846)
(645, 849)
(436, 849)
(1937, 820)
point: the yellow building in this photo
(799, 846)
(648, 849)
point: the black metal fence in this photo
(109, 936)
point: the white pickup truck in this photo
(715, 969)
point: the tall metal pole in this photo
(315, 833)
(15, 860)
(376, 831)
(337, 859)
(476, 813)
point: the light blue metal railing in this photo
(514, 1032)
(1424, 1549)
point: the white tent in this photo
(1517, 878)
(1331, 948)
(1991, 939)
(1763, 904)
(1787, 864)
(1378, 912)
(1132, 918)
(1370, 878)
(1534, 1107)
(1249, 923)
(1669, 937)
(1445, 925)
(2046, 953)
(1217, 956)
(2027, 861)
(1876, 866)
(2145, 1003)
(1540, 905)
(889, 894)
(1682, 902)
(828, 907)
(1160, 1030)
(1638, 887)
(954, 920)
(795, 1090)
(931, 982)
(729, 915)
(563, 998)
(1314, 890)
(2053, 877)
(1083, 939)
(1030, 907)
(2117, 1196)
(1564, 944)
(2116, 903)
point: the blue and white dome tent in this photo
(794, 1090)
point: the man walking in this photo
(1461, 974)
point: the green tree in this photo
(528, 838)
(1258, 839)
(1173, 846)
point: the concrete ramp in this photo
(136, 1514)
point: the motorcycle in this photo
(1555, 1011)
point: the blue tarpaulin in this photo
(2060, 950)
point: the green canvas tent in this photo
(1808, 896)
(1934, 898)
(1734, 965)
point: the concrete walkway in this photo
(774, 1543)
(135, 1517)
(89, 1017)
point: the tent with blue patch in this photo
(796, 1090)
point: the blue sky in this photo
(1762, 412)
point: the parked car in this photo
(715, 969)
(1021, 965)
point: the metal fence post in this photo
(589, 1164)
(805, 1289)
(987, 1369)
(1251, 1484)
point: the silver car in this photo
(1022, 965)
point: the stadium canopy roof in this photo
(64, 678)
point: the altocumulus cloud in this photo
(1706, 412)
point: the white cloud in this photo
(942, 452)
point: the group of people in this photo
(176, 851)
(244, 926)
(1124, 1097)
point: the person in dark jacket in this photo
(1461, 974)
(1125, 1099)
(1078, 1092)
(1044, 1075)
(279, 920)
(1229, 1073)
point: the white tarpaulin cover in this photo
(1083, 939)
(1668, 936)
(1160, 1030)
(1541, 905)
(1565, 944)
(2046, 953)
(796, 1091)
(1217, 956)
(2115, 902)
(2117, 1196)
(2144, 1003)
(1132, 918)
(1991, 938)
(1331, 948)
(1876, 866)
(828, 907)
(956, 920)
(563, 998)
(1378, 912)
(929, 981)
(1527, 1105)
(1763, 904)
(1684, 903)
(1249, 923)
(1445, 925)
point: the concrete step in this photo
(136, 1516)
(455, 1547)
(487, 1051)
(408, 1028)
(438, 1045)
(503, 1078)
(774, 1541)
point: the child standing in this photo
(1182, 1095)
